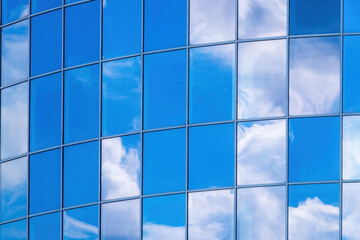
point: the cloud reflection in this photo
(351, 211)
(351, 143)
(77, 229)
(162, 232)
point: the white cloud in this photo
(351, 211)
(162, 232)
(351, 150)
(76, 229)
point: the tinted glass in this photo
(13, 231)
(121, 96)
(121, 167)
(314, 75)
(42, 5)
(165, 89)
(164, 161)
(351, 16)
(212, 83)
(45, 227)
(14, 9)
(211, 156)
(350, 211)
(351, 151)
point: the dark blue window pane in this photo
(314, 16)
(81, 120)
(45, 181)
(72, 1)
(351, 16)
(121, 96)
(314, 149)
(212, 83)
(42, 5)
(121, 27)
(46, 37)
(14, 231)
(164, 161)
(45, 112)
(81, 174)
(164, 217)
(45, 227)
(165, 89)
(165, 24)
(211, 156)
(82, 30)
(14, 9)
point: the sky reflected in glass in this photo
(351, 16)
(42, 5)
(13, 10)
(14, 231)
(45, 227)
(351, 211)
(351, 150)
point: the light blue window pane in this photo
(121, 96)
(42, 5)
(211, 215)
(212, 83)
(121, 27)
(81, 223)
(82, 29)
(164, 217)
(120, 220)
(165, 89)
(14, 9)
(211, 156)
(261, 213)
(314, 153)
(14, 231)
(314, 212)
(45, 169)
(45, 112)
(15, 53)
(13, 189)
(81, 120)
(165, 24)
(121, 161)
(164, 161)
(314, 16)
(45, 227)
(351, 143)
(81, 174)
(350, 211)
(351, 16)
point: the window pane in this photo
(314, 211)
(314, 153)
(45, 227)
(15, 53)
(261, 213)
(314, 75)
(81, 180)
(351, 211)
(211, 215)
(212, 83)
(211, 156)
(121, 167)
(212, 21)
(261, 152)
(120, 220)
(262, 79)
(121, 96)
(164, 217)
(351, 151)
(14, 9)
(351, 16)
(165, 89)
(164, 161)
(14, 231)
(45, 112)
(42, 5)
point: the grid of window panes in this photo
(181, 119)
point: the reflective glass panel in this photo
(211, 156)
(314, 75)
(351, 16)
(121, 96)
(81, 110)
(121, 161)
(165, 89)
(13, 10)
(351, 211)
(42, 5)
(314, 153)
(81, 174)
(351, 150)
(262, 79)
(164, 161)
(212, 83)
(14, 231)
(45, 227)
(314, 212)
(261, 152)
(164, 217)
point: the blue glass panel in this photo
(121, 28)
(314, 212)
(121, 96)
(211, 156)
(14, 231)
(72, 1)
(164, 161)
(81, 223)
(81, 174)
(121, 161)
(15, 53)
(45, 112)
(314, 153)
(165, 89)
(42, 5)
(351, 143)
(13, 10)
(45, 227)
(350, 211)
(82, 29)
(164, 217)
(212, 83)
(314, 16)
(13, 189)
(81, 120)
(351, 16)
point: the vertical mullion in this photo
(142, 118)
(100, 117)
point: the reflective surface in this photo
(350, 211)
(351, 143)
(13, 10)
(351, 16)
(13, 231)
(45, 227)
(42, 5)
